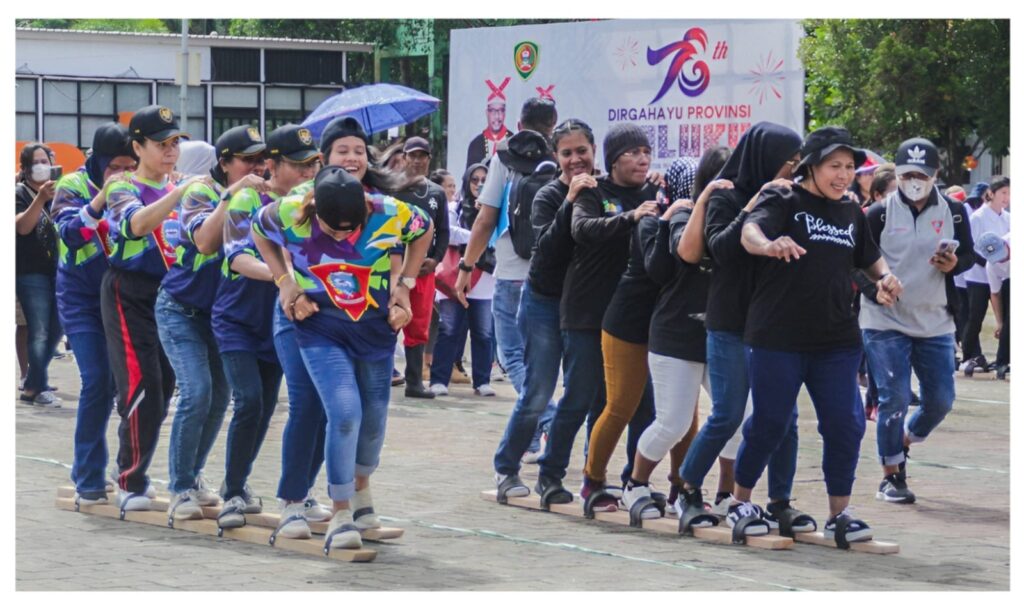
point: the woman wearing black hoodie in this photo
(765, 153)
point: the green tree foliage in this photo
(889, 80)
(98, 25)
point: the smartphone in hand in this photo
(946, 246)
(56, 172)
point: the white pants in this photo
(677, 386)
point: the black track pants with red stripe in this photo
(145, 379)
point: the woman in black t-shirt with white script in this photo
(801, 327)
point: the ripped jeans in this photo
(891, 355)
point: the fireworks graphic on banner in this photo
(767, 78)
(626, 54)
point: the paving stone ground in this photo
(437, 459)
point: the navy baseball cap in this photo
(917, 155)
(293, 143)
(156, 123)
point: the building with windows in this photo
(68, 82)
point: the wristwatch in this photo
(465, 267)
(408, 282)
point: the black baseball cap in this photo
(340, 199)
(240, 141)
(293, 143)
(340, 128)
(112, 140)
(417, 143)
(917, 155)
(156, 123)
(824, 141)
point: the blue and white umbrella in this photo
(377, 107)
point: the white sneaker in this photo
(233, 514)
(742, 510)
(512, 485)
(531, 458)
(633, 494)
(204, 496)
(293, 523)
(439, 390)
(342, 532)
(253, 504)
(722, 507)
(485, 391)
(91, 499)
(185, 506)
(363, 500)
(127, 502)
(46, 399)
(314, 512)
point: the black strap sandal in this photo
(660, 501)
(789, 516)
(692, 514)
(592, 500)
(348, 526)
(845, 525)
(555, 493)
(506, 485)
(636, 510)
(739, 530)
(288, 520)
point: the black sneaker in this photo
(894, 489)
(802, 523)
(418, 392)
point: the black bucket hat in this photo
(822, 142)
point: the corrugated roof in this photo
(202, 37)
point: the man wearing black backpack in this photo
(522, 164)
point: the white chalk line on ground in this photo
(522, 540)
(584, 550)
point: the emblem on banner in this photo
(526, 56)
(685, 52)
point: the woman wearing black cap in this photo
(343, 143)
(140, 211)
(78, 211)
(346, 314)
(802, 329)
(603, 220)
(242, 317)
(183, 309)
(764, 153)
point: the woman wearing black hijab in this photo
(453, 326)
(766, 153)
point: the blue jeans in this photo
(831, 380)
(582, 399)
(533, 411)
(891, 355)
(203, 389)
(727, 374)
(255, 385)
(37, 294)
(95, 402)
(507, 338)
(455, 320)
(302, 442)
(355, 394)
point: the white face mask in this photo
(915, 189)
(40, 172)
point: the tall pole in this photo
(183, 96)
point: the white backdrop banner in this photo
(691, 85)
